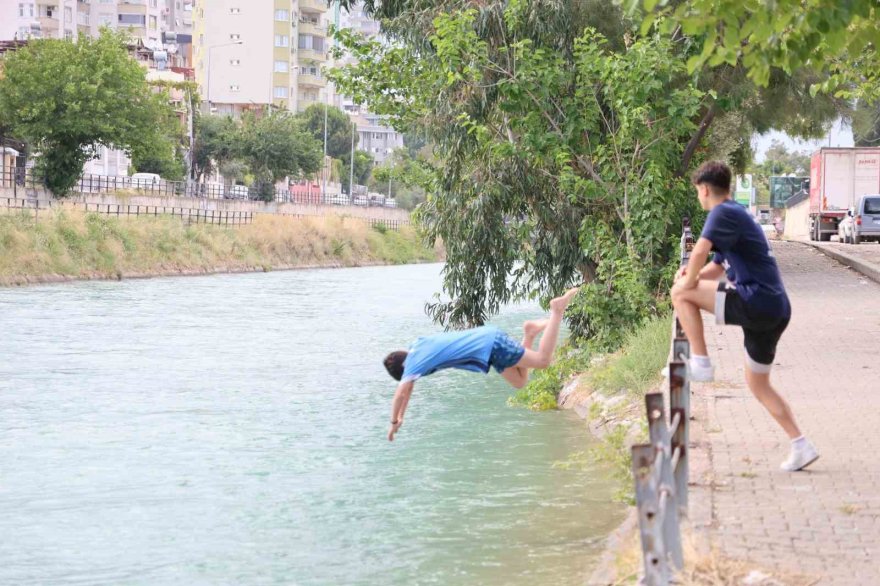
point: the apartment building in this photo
(144, 20)
(250, 54)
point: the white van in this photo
(145, 180)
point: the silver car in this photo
(864, 220)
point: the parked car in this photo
(862, 222)
(237, 192)
(390, 202)
(360, 200)
(377, 200)
(145, 180)
(338, 199)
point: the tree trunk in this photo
(697, 138)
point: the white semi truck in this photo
(838, 178)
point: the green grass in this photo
(542, 391)
(635, 367)
(78, 245)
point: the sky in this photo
(839, 135)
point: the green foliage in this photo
(275, 145)
(407, 176)
(542, 390)
(216, 143)
(66, 99)
(339, 130)
(634, 368)
(826, 35)
(363, 166)
(866, 123)
(563, 169)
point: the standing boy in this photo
(476, 350)
(753, 298)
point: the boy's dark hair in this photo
(714, 174)
(394, 364)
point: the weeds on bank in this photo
(75, 244)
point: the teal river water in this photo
(231, 430)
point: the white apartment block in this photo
(249, 54)
(144, 20)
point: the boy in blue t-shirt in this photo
(753, 298)
(476, 350)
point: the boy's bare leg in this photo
(542, 357)
(518, 376)
(778, 407)
(688, 303)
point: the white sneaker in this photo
(802, 455)
(695, 372)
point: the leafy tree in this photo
(67, 98)
(363, 166)
(275, 145)
(778, 160)
(841, 38)
(164, 155)
(866, 124)
(339, 130)
(216, 143)
(406, 177)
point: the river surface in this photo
(230, 429)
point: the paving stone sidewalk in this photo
(824, 522)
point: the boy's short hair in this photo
(714, 174)
(394, 364)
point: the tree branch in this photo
(692, 145)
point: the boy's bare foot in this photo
(560, 303)
(534, 327)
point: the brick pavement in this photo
(824, 522)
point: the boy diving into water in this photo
(476, 350)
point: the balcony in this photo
(312, 81)
(312, 6)
(311, 28)
(304, 55)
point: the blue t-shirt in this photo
(467, 350)
(742, 248)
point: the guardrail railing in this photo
(660, 468)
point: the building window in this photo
(153, 23)
(133, 19)
(235, 11)
(105, 18)
(235, 62)
(154, 3)
(281, 67)
(282, 41)
(282, 15)
(26, 10)
(310, 70)
(235, 37)
(68, 14)
(83, 18)
(311, 42)
(280, 92)
(234, 88)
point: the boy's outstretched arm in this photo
(398, 407)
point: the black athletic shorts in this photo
(761, 333)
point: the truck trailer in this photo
(838, 178)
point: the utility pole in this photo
(351, 169)
(324, 162)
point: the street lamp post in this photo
(208, 75)
(351, 170)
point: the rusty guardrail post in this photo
(650, 523)
(660, 438)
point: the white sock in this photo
(702, 361)
(799, 441)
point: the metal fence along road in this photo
(660, 468)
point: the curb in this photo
(870, 270)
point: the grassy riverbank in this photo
(609, 390)
(65, 245)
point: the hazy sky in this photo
(839, 135)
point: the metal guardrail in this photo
(660, 468)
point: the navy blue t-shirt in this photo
(742, 248)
